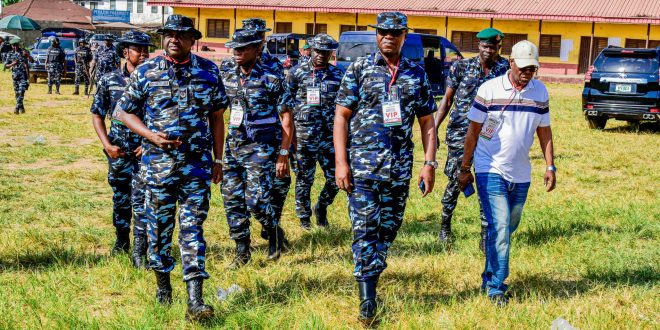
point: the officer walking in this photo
(465, 77)
(183, 100)
(257, 148)
(123, 149)
(55, 64)
(17, 60)
(106, 58)
(311, 91)
(82, 56)
(380, 96)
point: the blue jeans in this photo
(502, 202)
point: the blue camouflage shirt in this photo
(465, 77)
(267, 60)
(19, 71)
(177, 99)
(376, 151)
(106, 59)
(108, 91)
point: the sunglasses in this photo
(394, 33)
(529, 69)
(323, 52)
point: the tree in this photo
(9, 2)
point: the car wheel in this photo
(597, 123)
(634, 125)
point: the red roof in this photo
(67, 12)
(614, 11)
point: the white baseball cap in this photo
(525, 53)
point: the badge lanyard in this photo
(237, 112)
(392, 107)
(393, 80)
(314, 91)
(492, 124)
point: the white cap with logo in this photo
(525, 53)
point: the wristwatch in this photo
(284, 152)
(217, 161)
(431, 163)
(551, 168)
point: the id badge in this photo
(392, 114)
(313, 96)
(490, 127)
(236, 115)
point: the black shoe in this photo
(123, 242)
(163, 288)
(499, 300)
(264, 233)
(76, 91)
(22, 109)
(445, 235)
(57, 90)
(368, 303)
(139, 251)
(86, 90)
(321, 213)
(274, 244)
(197, 311)
(243, 255)
(50, 89)
(484, 238)
(17, 111)
(305, 224)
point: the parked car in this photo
(285, 46)
(432, 52)
(622, 84)
(68, 40)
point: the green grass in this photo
(588, 252)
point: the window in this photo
(427, 31)
(346, 28)
(217, 28)
(129, 5)
(320, 28)
(641, 43)
(154, 9)
(168, 10)
(283, 27)
(511, 39)
(140, 6)
(113, 4)
(550, 45)
(465, 41)
(92, 5)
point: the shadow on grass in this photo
(545, 232)
(51, 258)
(644, 127)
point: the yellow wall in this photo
(568, 31)
(426, 22)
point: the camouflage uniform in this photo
(106, 59)
(251, 149)
(56, 60)
(380, 157)
(123, 173)
(314, 126)
(19, 76)
(177, 99)
(465, 77)
(83, 56)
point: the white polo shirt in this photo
(519, 114)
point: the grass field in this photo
(588, 252)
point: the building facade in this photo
(142, 13)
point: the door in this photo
(585, 44)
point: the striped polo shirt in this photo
(521, 112)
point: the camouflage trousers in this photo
(20, 86)
(55, 72)
(280, 190)
(177, 178)
(247, 185)
(450, 197)
(376, 211)
(81, 75)
(309, 153)
(128, 194)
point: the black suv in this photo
(622, 84)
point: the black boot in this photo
(445, 235)
(139, 251)
(17, 110)
(484, 238)
(57, 89)
(123, 242)
(242, 254)
(367, 302)
(197, 310)
(305, 223)
(321, 213)
(22, 109)
(86, 90)
(277, 243)
(50, 89)
(164, 288)
(76, 90)
(264, 233)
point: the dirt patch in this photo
(82, 164)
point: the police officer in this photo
(17, 60)
(55, 64)
(257, 148)
(380, 96)
(123, 149)
(311, 90)
(306, 52)
(465, 77)
(182, 98)
(105, 58)
(82, 57)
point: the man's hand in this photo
(344, 178)
(138, 152)
(549, 180)
(464, 179)
(115, 152)
(282, 166)
(217, 173)
(161, 141)
(428, 176)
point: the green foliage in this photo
(10, 2)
